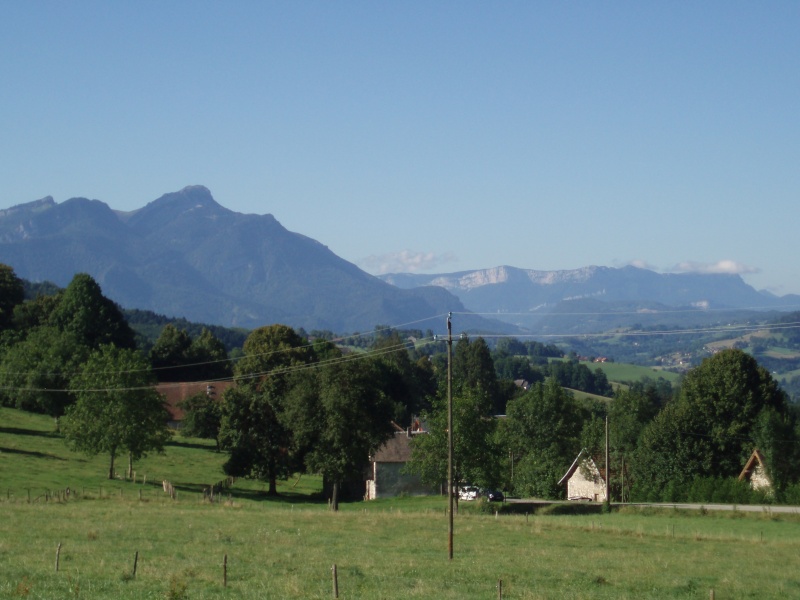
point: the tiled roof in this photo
(175, 393)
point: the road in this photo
(765, 508)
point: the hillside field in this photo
(623, 372)
(397, 548)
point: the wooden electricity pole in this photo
(449, 437)
(608, 470)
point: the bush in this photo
(717, 490)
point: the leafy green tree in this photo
(475, 455)
(517, 367)
(251, 428)
(354, 419)
(169, 354)
(94, 319)
(473, 368)
(726, 407)
(117, 407)
(406, 383)
(12, 293)
(35, 372)
(511, 347)
(202, 417)
(35, 313)
(209, 357)
(542, 429)
(175, 356)
(629, 413)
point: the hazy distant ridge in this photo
(512, 293)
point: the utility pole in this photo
(608, 470)
(450, 436)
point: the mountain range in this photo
(626, 295)
(184, 255)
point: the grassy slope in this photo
(618, 372)
(382, 549)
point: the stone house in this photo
(585, 480)
(755, 472)
(385, 477)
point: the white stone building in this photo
(585, 480)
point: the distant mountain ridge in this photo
(523, 296)
(185, 255)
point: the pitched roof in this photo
(756, 459)
(175, 393)
(397, 449)
(596, 461)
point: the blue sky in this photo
(428, 136)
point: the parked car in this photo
(468, 492)
(494, 495)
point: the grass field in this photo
(626, 372)
(382, 549)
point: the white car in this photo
(468, 492)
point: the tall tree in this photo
(209, 358)
(475, 454)
(406, 383)
(354, 417)
(202, 417)
(542, 429)
(12, 293)
(175, 356)
(169, 354)
(35, 372)
(94, 319)
(117, 407)
(251, 428)
(726, 407)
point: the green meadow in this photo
(246, 545)
(627, 372)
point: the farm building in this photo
(585, 480)
(385, 478)
(755, 472)
(175, 393)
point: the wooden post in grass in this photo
(499, 589)
(335, 581)
(225, 571)
(135, 563)
(58, 555)
(711, 594)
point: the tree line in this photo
(304, 404)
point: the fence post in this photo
(225, 571)
(58, 555)
(135, 562)
(335, 582)
(499, 589)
